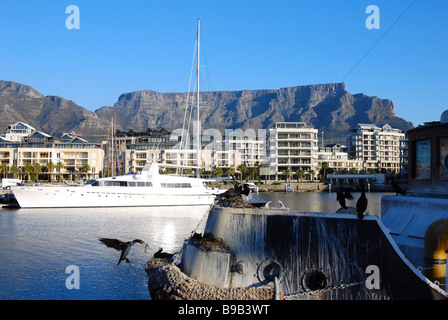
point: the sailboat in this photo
(148, 188)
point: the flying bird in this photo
(124, 247)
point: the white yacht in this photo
(148, 188)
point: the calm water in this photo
(37, 245)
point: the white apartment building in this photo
(292, 149)
(17, 131)
(337, 158)
(378, 148)
(40, 148)
(250, 146)
(134, 149)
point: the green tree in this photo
(323, 171)
(50, 167)
(37, 168)
(3, 168)
(59, 166)
(288, 174)
(14, 170)
(28, 169)
(242, 169)
(218, 172)
(300, 175)
(312, 174)
(85, 168)
(230, 171)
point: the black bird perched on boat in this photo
(163, 255)
(361, 204)
(124, 247)
(396, 187)
(341, 195)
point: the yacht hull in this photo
(79, 197)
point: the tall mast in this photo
(198, 124)
(112, 165)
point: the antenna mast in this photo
(198, 124)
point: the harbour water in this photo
(38, 245)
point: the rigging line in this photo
(376, 43)
(188, 98)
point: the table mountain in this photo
(328, 107)
(50, 114)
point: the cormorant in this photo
(341, 195)
(246, 190)
(396, 187)
(163, 255)
(361, 204)
(232, 192)
(124, 247)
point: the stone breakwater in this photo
(167, 282)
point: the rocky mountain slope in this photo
(328, 107)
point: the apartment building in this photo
(377, 147)
(337, 158)
(17, 131)
(31, 146)
(134, 149)
(292, 150)
(250, 146)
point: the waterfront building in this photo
(337, 158)
(17, 131)
(377, 147)
(250, 146)
(404, 155)
(134, 149)
(292, 151)
(72, 152)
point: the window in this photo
(443, 163)
(175, 185)
(423, 159)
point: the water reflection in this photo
(39, 244)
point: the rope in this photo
(319, 291)
(276, 289)
(179, 253)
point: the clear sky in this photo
(125, 46)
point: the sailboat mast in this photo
(198, 124)
(112, 169)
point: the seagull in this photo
(396, 187)
(124, 247)
(361, 204)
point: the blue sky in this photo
(125, 46)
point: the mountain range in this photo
(327, 107)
